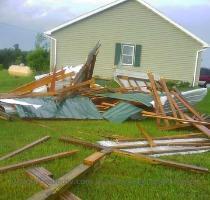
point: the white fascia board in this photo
(203, 43)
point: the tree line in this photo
(38, 59)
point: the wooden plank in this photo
(41, 82)
(158, 103)
(36, 161)
(196, 147)
(63, 183)
(92, 159)
(188, 106)
(146, 135)
(179, 136)
(12, 154)
(65, 92)
(174, 127)
(173, 164)
(80, 142)
(153, 115)
(200, 127)
(45, 181)
(170, 99)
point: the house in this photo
(134, 36)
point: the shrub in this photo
(39, 60)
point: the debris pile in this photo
(72, 93)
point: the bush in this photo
(39, 60)
(1, 67)
(177, 84)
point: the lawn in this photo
(117, 178)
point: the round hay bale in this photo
(19, 71)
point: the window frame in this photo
(122, 54)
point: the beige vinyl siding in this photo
(165, 49)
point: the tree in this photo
(39, 59)
(41, 41)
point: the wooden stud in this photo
(158, 104)
(44, 180)
(146, 135)
(12, 154)
(36, 161)
(152, 160)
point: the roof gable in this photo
(105, 7)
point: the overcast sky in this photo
(20, 20)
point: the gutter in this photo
(196, 63)
(55, 49)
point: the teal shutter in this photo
(138, 56)
(117, 53)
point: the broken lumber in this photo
(36, 161)
(41, 82)
(174, 164)
(146, 135)
(44, 139)
(63, 183)
(158, 104)
(180, 136)
(45, 178)
(192, 121)
(80, 142)
(92, 159)
(200, 127)
(188, 106)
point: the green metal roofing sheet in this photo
(121, 112)
(72, 108)
(134, 97)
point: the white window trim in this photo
(133, 56)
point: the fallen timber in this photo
(147, 158)
(36, 161)
(44, 139)
(163, 162)
(45, 178)
(65, 182)
(190, 120)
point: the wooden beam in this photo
(146, 135)
(173, 164)
(80, 142)
(36, 161)
(12, 154)
(92, 159)
(153, 115)
(200, 127)
(39, 175)
(63, 183)
(180, 136)
(170, 99)
(41, 82)
(188, 106)
(158, 104)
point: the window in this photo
(128, 54)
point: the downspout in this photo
(196, 65)
(55, 49)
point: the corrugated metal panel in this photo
(121, 112)
(71, 108)
(134, 97)
(165, 49)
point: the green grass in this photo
(117, 178)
